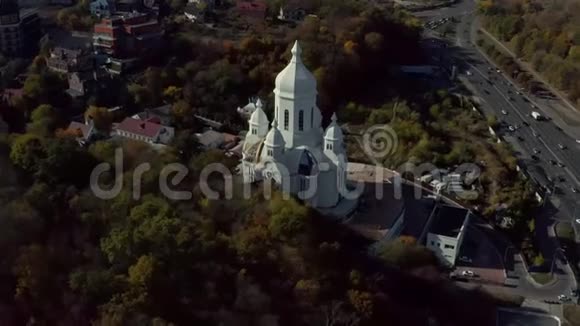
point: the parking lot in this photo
(479, 255)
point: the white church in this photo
(293, 150)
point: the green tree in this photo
(44, 120)
(27, 152)
(289, 218)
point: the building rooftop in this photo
(80, 128)
(448, 220)
(140, 127)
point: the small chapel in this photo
(293, 149)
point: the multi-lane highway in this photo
(547, 150)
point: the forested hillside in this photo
(544, 33)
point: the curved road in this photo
(499, 96)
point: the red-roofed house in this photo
(144, 130)
(11, 95)
(252, 9)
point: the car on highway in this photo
(560, 164)
(561, 146)
(504, 112)
(535, 133)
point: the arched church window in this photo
(312, 118)
(301, 120)
(286, 118)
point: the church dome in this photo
(274, 137)
(333, 132)
(295, 78)
(259, 117)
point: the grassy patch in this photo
(572, 314)
(542, 278)
(565, 231)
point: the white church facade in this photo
(293, 149)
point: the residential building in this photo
(11, 95)
(247, 110)
(161, 115)
(295, 10)
(102, 8)
(215, 139)
(446, 230)
(19, 29)
(83, 131)
(127, 35)
(253, 11)
(291, 150)
(66, 60)
(146, 131)
(81, 83)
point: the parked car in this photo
(511, 128)
(574, 190)
(563, 298)
(536, 151)
(504, 112)
(465, 259)
(468, 273)
(562, 146)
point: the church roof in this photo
(274, 137)
(295, 78)
(258, 117)
(333, 132)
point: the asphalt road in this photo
(498, 96)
